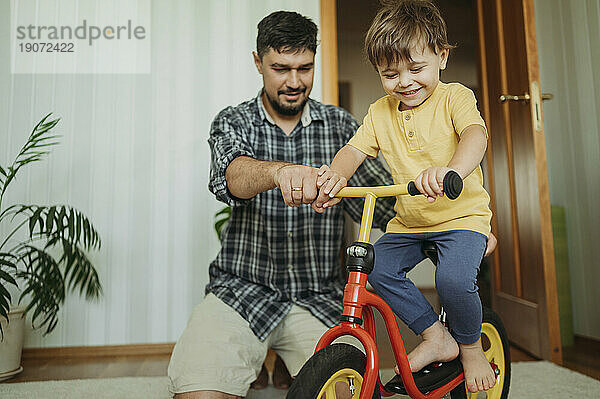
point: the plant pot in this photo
(11, 345)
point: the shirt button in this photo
(290, 234)
(295, 299)
(410, 134)
(407, 117)
(290, 267)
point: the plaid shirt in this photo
(272, 255)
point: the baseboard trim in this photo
(589, 342)
(98, 351)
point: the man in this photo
(276, 282)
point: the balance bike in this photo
(340, 370)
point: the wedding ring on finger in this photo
(296, 188)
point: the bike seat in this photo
(430, 250)
(429, 378)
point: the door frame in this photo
(329, 50)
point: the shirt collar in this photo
(306, 118)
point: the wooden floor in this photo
(583, 357)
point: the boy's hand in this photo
(329, 183)
(431, 182)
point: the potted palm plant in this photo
(43, 255)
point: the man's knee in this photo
(205, 395)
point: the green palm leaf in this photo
(44, 284)
(3, 176)
(7, 265)
(45, 277)
(37, 145)
(222, 217)
(57, 220)
(52, 259)
(79, 271)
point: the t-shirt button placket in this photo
(411, 134)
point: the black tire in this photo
(317, 371)
(493, 324)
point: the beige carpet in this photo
(531, 380)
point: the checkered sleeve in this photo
(227, 141)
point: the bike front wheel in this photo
(331, 373)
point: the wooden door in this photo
(524, 281)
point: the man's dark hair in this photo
(286, 31)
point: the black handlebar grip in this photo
(412, 189)
(453, 185)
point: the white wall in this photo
(134, 158)
(568, 33)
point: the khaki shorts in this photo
(219, 352)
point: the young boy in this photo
(424, 128)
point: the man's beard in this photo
(286, 110)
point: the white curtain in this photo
(134, 158)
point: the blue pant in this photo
(459, 256)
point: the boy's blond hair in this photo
(399, 26)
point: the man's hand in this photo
(431, 182)
(298, 184)
(329, 183)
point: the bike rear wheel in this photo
(494, 342)
(330, 371)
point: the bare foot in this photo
(479, 375)
(437, 346)
(281, 376)
(262, 380)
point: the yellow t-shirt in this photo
(416, 139)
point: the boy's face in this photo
(412, 82)
(287, 79)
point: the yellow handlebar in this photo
(453, 185)
(377, 191)
(371, 194)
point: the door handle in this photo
(535, 101)
(525, 97)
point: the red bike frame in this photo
(358, 302)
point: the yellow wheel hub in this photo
(345, 376)
(494, 352)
